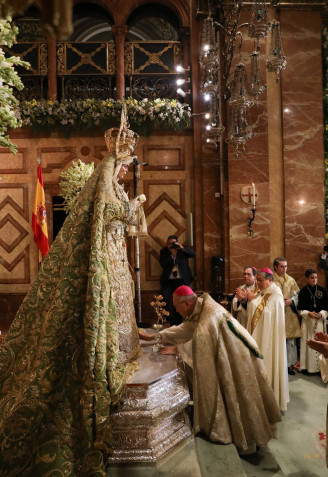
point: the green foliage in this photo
(9, 79)
(73, 181)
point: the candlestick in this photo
(254, 194)
(250, 221)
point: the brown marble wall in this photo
(285, 160)
(302, 97)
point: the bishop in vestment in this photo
(233, 400)
(266, 324)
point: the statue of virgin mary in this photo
(73, 344)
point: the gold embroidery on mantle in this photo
(258, 312)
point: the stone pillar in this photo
(276, 166)
(52, 69)
(119, 34)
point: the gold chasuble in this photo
(290, 290)
(233, 400)
(63, 364)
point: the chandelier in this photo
(218, 45)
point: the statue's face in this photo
(123, 170)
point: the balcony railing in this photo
(87, 69)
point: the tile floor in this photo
(297, 452)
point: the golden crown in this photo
(121, 141)
(122, 144)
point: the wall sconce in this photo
(249, 195)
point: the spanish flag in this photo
(39, 217)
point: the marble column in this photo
(276, 162)
(119, 34)
(302, 95)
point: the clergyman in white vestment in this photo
(266, 324)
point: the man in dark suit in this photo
(174, 259)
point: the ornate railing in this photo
(87, 69)
(35, 79)
(150, 68)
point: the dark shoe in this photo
(291, 371)
(305, 372)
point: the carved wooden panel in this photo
(100, 152)
(22, 262)
(56, 157)
(165, 210)
(14, 234)
(14, 163)
(12, 241)
(17, 200)
(166, 196)
(163, 158)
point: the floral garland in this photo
(69, 115)
(8, 79)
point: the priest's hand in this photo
(320, 336)
(287, 301)
(146, 336)
(319, 346)
(241, 295)
(250, 295)
(168, 350)
(314, 315)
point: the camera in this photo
(174, 246)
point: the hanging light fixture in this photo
(257, 84)
(276, 61)
(241, 94)
(240, 101)
(239, 129)
(239, 88)
(210, 63)
(259, 25)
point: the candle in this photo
(253, 190)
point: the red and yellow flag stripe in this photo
(39, 216)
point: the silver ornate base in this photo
(153, 419)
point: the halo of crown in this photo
(121, 141)
(122, 144)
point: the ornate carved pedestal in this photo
(153, 419)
